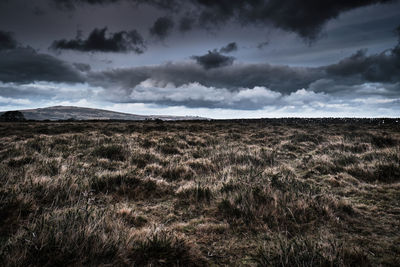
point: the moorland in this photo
(273, 192)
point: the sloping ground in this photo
(78, 113)
(244, 193)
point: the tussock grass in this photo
(265, 192)
(142, 159)
(71, 237)
(162, 249)
(177, 173)
(195, 194)
(111, 152)
(303, 252)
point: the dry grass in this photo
(266, 193)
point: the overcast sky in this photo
(218, 59)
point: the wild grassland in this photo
(256, 193)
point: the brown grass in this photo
(252, 193)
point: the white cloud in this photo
(192, 93)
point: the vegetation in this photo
(249, 192)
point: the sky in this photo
(209, 58)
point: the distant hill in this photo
(78, 113)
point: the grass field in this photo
(261, 192)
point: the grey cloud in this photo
(7, 41)
(24, 65)
(383, 67)
(355, 89)
(213, 59)
(231, 47)
(97, 41)
(283, 79)
(82, 67)
(162, 27)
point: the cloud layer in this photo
(305, 18)
(212, 84)
(231, 47)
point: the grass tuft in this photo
(111, 152)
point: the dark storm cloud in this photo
(306, 18)
(98, 42)
(231, 47)
(7, 41)
(25, 65)
(213, 59)
(162, 27)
